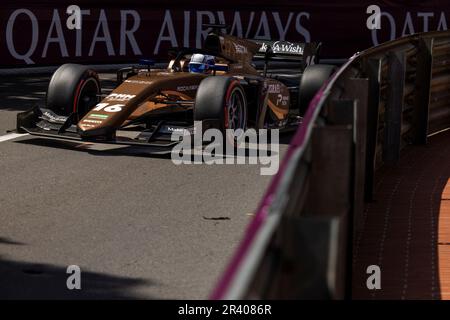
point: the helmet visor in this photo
(196, 67)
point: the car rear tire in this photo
(73, 88)
(312, 80)
(221, 103)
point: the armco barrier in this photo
(299, 243)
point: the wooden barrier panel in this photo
(372, 69)
(422, 90)
(394, 107)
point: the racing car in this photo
(219, 85)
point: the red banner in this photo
(36, 33)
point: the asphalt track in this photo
(138, 226)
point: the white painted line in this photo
(11, 136)
(441, 131)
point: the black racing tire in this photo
(213, 102)
(73, 88)
(312, 80)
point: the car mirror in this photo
(147, 62)
(219, 67)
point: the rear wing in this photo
(305, 53)
(281, 50)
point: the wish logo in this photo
(287, 48)
(283, 47)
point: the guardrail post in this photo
(394, 107)
(422, 90)
(331, 183)
(360, 93)
(373, 73)
(304, 264)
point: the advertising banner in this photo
(39, 33)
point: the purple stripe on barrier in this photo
(257, 222)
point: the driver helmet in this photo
(200, 63)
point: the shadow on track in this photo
(4, 240)
(25, 280)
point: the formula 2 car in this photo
(219, 85)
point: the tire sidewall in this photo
(234, 88)
(213, 98)
(312, 80)
(66, 84)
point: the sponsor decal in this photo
(108, 108)
(138, 81)
(274, 88)
(187, 88)
(98, 116)
(92, 121)
(172, 129)
(240, 48)
(287, 47)
(263, 47)
(42, 33)
(283, 100)
(283, 47)
(53, 117)
(120, 96)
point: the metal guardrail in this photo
(299, 245)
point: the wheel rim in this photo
(236, 110)
(87, 97)
(237, 117)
